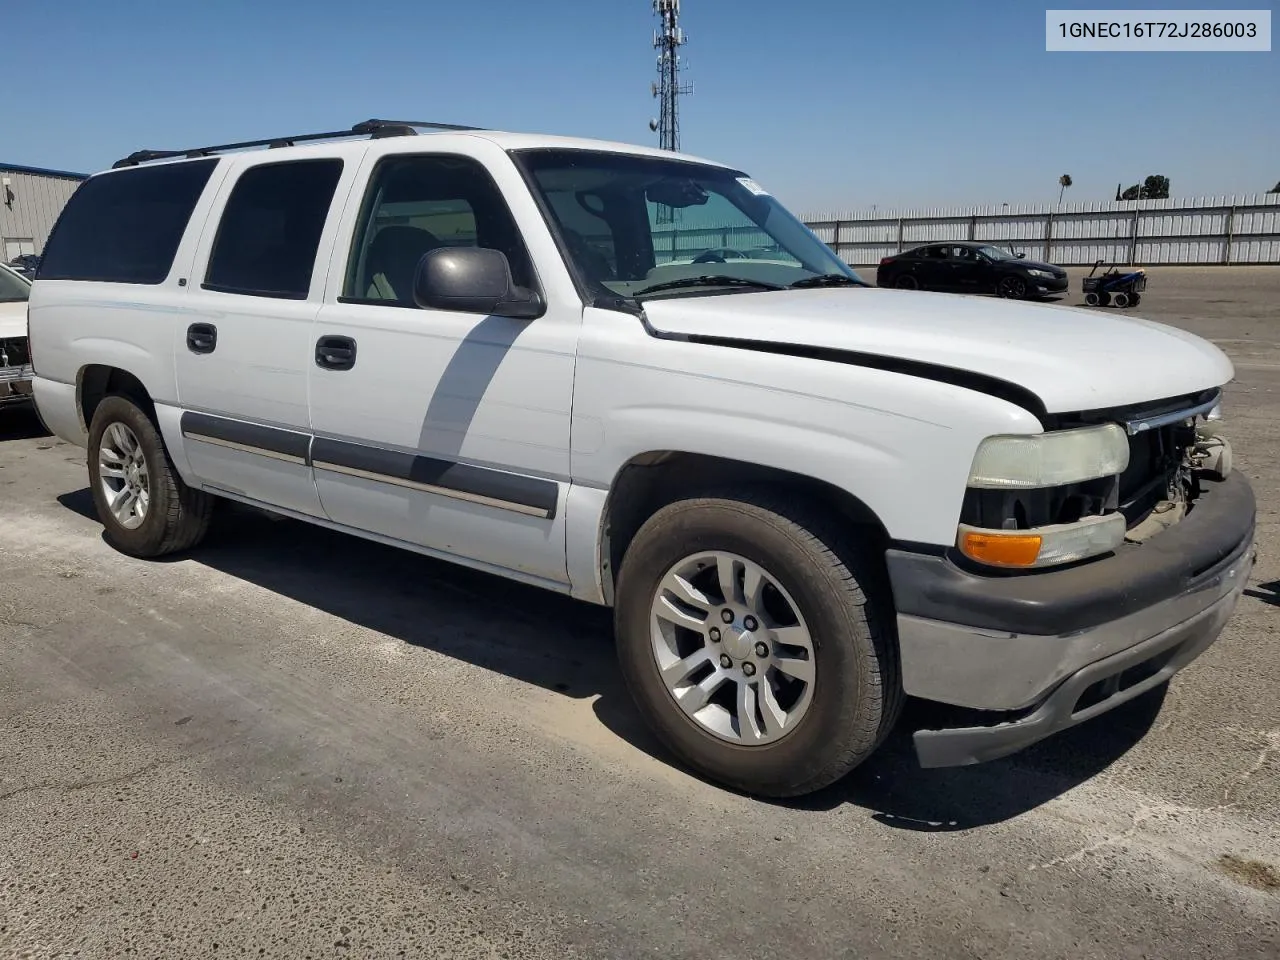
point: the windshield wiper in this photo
(827, 280)
(708, 281)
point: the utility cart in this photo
(1114, 287)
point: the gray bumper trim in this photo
(1120, 677)
(997, 670)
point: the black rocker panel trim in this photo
(251, 437)
(531, 495)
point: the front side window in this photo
(13, 288)
(125, 226)
(630, 224)
(995, 253)
(270, 230)
(416, 204)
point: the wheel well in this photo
(652, 480)
(97, 382)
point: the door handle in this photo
(202, 338)
(336, 353)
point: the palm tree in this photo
(1064, 181)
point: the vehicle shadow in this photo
(1266, 592)
(566, 646)
(20, 423)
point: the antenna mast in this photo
(668, 88)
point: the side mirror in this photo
(473, 280)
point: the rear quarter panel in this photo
(131, 326)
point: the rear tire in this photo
(145, 508)
(1091, 299)
(839, 599)
(1121, 300)
(906, 282)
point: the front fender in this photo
(901, 444)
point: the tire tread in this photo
(854, 573)
(187, 510)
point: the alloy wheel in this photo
(123, 473)
(732, 648)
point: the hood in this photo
(1040, 265)
(13, 320)
(1072, 359)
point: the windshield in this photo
(13, 288)
(995, 253)
(634, 223)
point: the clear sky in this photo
(828, 103)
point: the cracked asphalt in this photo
(294, 744)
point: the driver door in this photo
(441, 429)
(967, 269)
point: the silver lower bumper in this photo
(15, 384)
(989, 670)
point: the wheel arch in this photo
(96, 381)
(651, 480)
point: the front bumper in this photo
(15, 384)
(1045, 651)
(1047, 287)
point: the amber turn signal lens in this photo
(1001, 549)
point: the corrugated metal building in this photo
(30, 200)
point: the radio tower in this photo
(668, 88)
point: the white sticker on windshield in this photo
(754, 187)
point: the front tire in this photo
(145, 508)
(756, 644)
(1012, 288)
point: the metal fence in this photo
(1209, 230)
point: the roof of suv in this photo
(403, 132)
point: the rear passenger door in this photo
(933, 271)
(243, 344)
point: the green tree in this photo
(1276, 188)
(1155, 187)
(1064, 181)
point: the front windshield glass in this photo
(13, 288)
(995, 253)
(632, 223)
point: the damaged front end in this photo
(1013, 656)
(1171, 453)
(15, 371)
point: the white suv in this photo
(804, 497)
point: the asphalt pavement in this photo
(296, 744)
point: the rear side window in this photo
(125, 226)
(270, 231)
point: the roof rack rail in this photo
(373, 129)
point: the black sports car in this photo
(968, 267)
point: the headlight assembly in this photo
(1049, 459)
